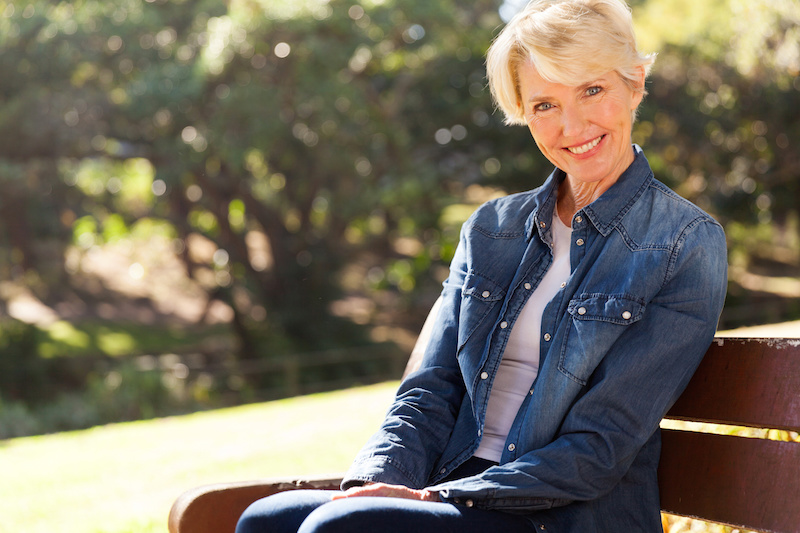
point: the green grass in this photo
(123, 478)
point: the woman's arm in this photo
(418, 424)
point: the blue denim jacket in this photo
(618, 345)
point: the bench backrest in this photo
(748, 482)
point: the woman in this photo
(572, 318)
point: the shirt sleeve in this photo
(420, 421)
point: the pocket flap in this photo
(617, 309)
(482, 288)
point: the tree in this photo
(296, 140)
(303, 141)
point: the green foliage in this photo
(65, 339)
(126, 392)
(22, 374)
(300, 122)
(16, 420)
(298, 142)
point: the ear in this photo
(639, 91)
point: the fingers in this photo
(388, 491)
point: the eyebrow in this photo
(581, 87)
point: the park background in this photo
(207, 204)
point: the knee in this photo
(252, 519)
(282, 512)
(328, 518)
(342, 516)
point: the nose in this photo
(573, 121)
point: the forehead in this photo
(533, 85)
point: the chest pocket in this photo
(595, 323)
(479, 296)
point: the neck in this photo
(574, 195)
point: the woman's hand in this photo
(389, 491)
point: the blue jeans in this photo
(312, 511)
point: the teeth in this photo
(586, 147)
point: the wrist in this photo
(429, 496)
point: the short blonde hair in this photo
(570, 42)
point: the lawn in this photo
(123, 478)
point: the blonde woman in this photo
(573, 317)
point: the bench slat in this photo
(745, 382)
(217, 508)
(743, 482)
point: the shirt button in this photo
(469, 503)
(531, 392)
(581, 310)
(578, 219)
(626, 315)
(527, 286)
(486, 294)
(563, 284)
(503, 324)
(542, 224)
(484, 375)
(442, 471)
(547, 336)
(579, 242)
(479, 432)
(511, 447)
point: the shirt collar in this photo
(605, 212)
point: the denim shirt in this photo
(619, 343)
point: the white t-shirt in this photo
(520, 363)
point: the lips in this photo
(577, 150)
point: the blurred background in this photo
(206, 203)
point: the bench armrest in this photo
(216, 508)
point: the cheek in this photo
(537, 138)
(615, 113)
(541, 129)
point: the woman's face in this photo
(585, 130)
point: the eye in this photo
(592, 91)
(543, 106)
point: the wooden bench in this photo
(746, 482)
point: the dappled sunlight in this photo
(208, 203)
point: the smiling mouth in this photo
(586, 147)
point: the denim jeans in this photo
(312, 511)
(307, 511)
